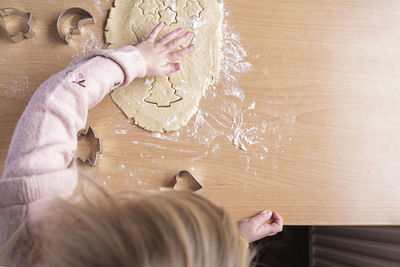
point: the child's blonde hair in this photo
(142, 229)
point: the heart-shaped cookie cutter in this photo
(185, 181)
(10, 12)
(66, 32)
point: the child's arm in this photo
(45, 140)
(45, 137)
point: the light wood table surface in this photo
(323, 142)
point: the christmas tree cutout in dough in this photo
(162, 93)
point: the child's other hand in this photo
(257, 227)
(161, 55)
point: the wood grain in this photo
(325, 78)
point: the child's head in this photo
(169, 228)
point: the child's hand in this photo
(161, 55)
(257, 227)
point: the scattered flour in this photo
(163, 147)
(228, 114)
(195, 24)
(91, 42)
(148, 81)
(243, 137)
(266, 70)
(18, 88)
(97, 4)
(122, 167)
(120, 131)
(139, 182)
(206, 124)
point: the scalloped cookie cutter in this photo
(64, 30)
(8, 13)
(92, 159)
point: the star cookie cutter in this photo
(8, 14)
(185, 181)
(92, 159)
(64, 29)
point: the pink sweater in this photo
(45, 137)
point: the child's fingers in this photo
(171, 36)
(266, 230)
(178, 41)
(278, 222)
(154, 33)
(260, 219)
(277, 219)
(275, 227)
(181, 53)
(170, 68)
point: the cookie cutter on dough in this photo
(7, 13)
(184, 180)
(66, 32)
(92, 159)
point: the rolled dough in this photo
(167, 103)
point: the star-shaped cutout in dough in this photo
(193, 9)
(168, 16)
(149, 6)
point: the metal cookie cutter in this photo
(66, 19)
(9, 13)
(97, 149)
(184, 180)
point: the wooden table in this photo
(324, 134)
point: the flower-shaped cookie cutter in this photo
(64, 29)
(8, 14)
(92, 158)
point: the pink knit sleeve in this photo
(45, 138)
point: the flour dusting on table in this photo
(94, 41)
(98, 5)
(17, 88)
(228, 119)
(227, 115)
